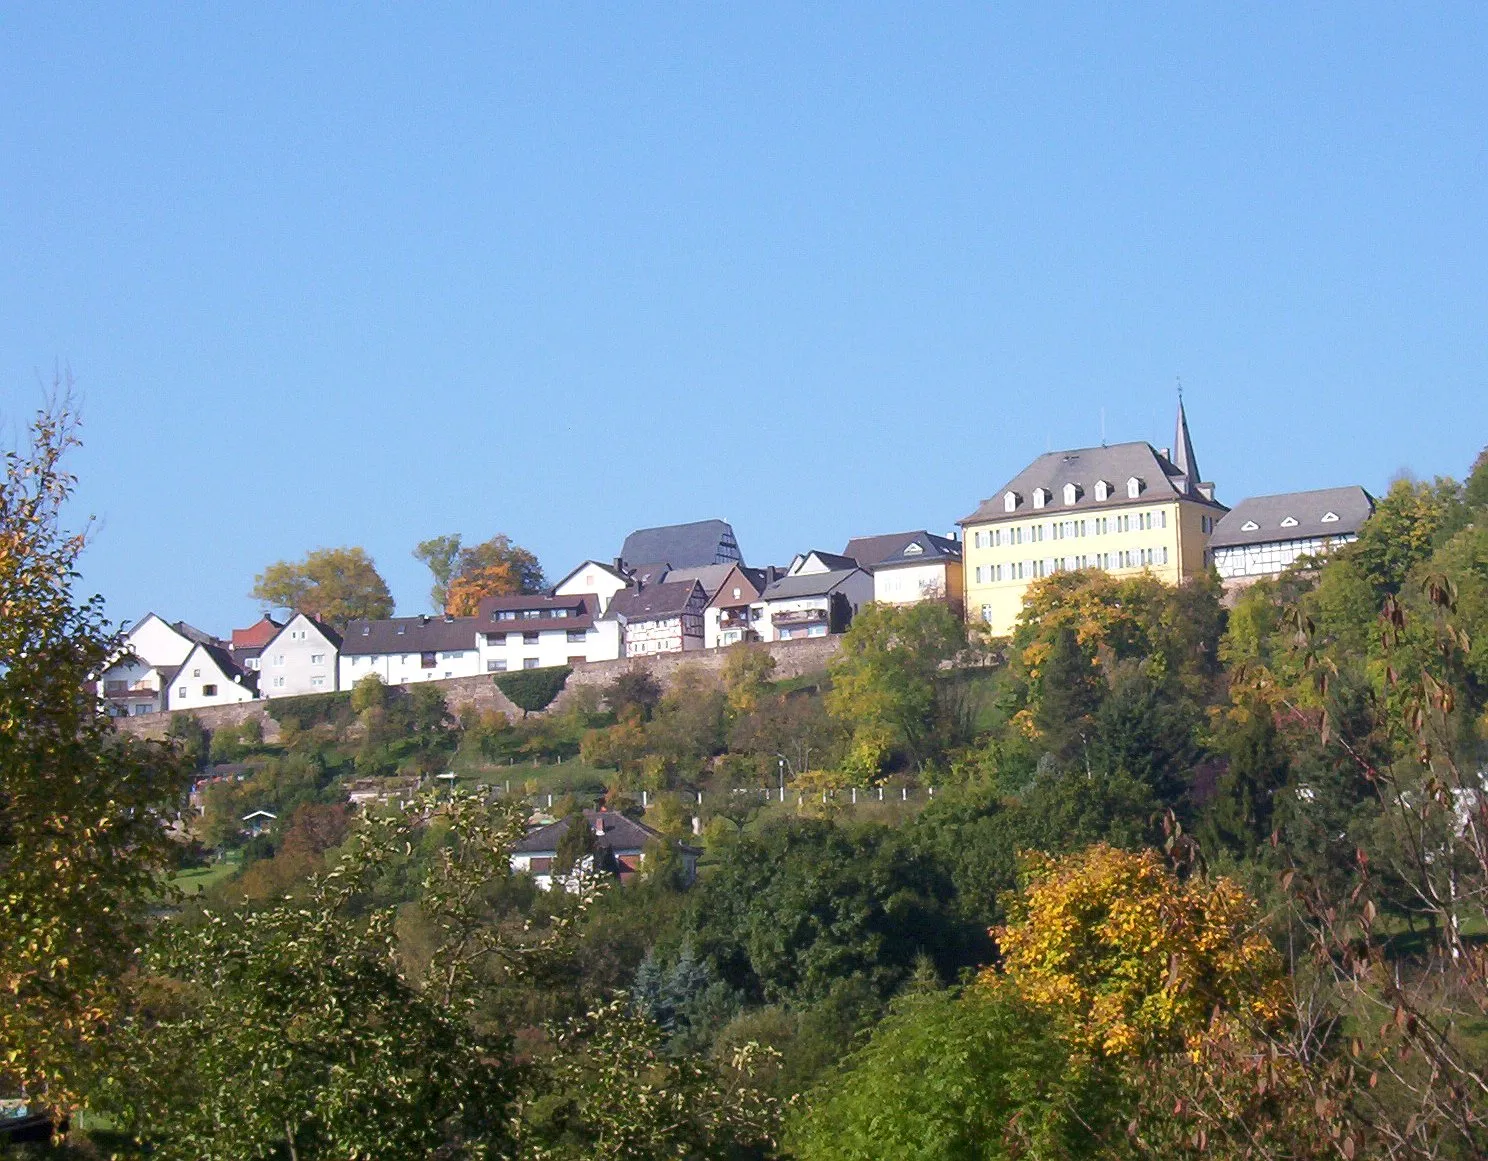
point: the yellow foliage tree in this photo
(1136, 962)
(468, 590)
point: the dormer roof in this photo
(1333, 512)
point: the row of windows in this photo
(1033, 569)
(499, 666)
(530, 637)
(528, 614)
(1070, 529)
(427, 660)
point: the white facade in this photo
(132, 686)
(789, 611)
(506, 646)
(300, 659)
(910, 584)
(594, 579)
(201, 681)
(158, 642)
(1272, 558)
(405, 667)
(678, 634)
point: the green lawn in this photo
(198, 879)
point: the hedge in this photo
(531, 690)
(311, 709)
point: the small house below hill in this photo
(618, 848)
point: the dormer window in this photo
(1330, 517)
(1289, 522)
(1134, 487)
(1249, 526)
(913, 550)
(1072, 493)
(1102, 490)
(1040, 497)
(1010, 502)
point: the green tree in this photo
(83, 809)
(1068, 692)
(1240, 818)
(334, 585)
(494, 567)
(884, 681)
(634, 688)
(975, 1076)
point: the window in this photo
(530, 638)
(1010, 502)
(317, 659)
(181, 692)
(529, 663)
(1289, 522)
(209, 691)
(997, 572)
(1102, 525)
(278, 683)
(1162, 518)
(457, 655)
(1162, 555)
(1133, 487)
(1036, 532)
(1330, 517)
(278, 658)
(913, 550)
(495, 638)
(996, 535)
(196, 673)
(1249, 526)
(495, 666)
(426, 660)
(559, 613)
(1015, 535)
(1102, 490)
(1071, 493)
(987, 614)
(977, 540)
(531, 614)
(736, 594)
(576, 636)
(317, 682)
(1040, 497)
(816, 631)
(539, 865)
(505, 615)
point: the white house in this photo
(300, 658)
(1265, 535)
(619, 846)
(136, 681)
(538, 630)
(210, 676)
(911, 567)
(402, 650)
(664, 618)
(811, 604)
(602, 581)
(729, 618)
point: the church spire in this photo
(1183, 452)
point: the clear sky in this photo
(332, 275)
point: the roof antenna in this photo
(1103, 426)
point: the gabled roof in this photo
(621, 834)
(319, 626)
(1115, 463)
(184, 628)
(830, 561)
(1263, 519)
(684, 545)
(710, 576)
(409, 635)
(653, 602)
(227, 665)
(599, 564)
(808, 584)
(257, 635)
(650, 573)
(873, 552)
(752, 583)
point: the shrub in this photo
(531, 690)
(311, 709)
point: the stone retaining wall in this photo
(792, 659)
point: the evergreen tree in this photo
(1240, 817)
(1069, 694)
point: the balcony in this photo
(799, 617)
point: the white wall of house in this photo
(664, 635)
(857, 588)
(1272, 558)
(593, 580)
(909, 584)
(406, 668)
(155, 641)
(298, 660)
(716, 635)
(132, 686)
(506, 646)
(201, 682)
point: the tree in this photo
(335, 585)
(1241, 815)
(466, 574)
(635, 688)
(83, 810)
(1067, 694)
(884, 680)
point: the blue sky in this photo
(330, 276)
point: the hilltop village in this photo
(1122, 508)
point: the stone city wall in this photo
(792, 659)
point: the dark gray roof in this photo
(1351, 506)
(886, 551)
(652, 602)
(1114, 463)
(1183, 453)
(225, 661)
(834, 561)
(621, 834)
(710, 576)
(809, 584)
(754, 584)
(580, 611)
(409, 635)
(683, 545)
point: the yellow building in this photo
(1126, 508)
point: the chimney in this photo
(953, 535)
(1167, 453)
(599, 824)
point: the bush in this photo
(531, 690)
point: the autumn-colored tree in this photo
(335, 585)
(466, 574)
(82, 809)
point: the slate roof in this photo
(834, 561)
(710, 576)
(409, 635)
(810, 584)
(683, 545)
(653, 602)
(321, 627)
(754, 584)
(582, 608)
(886, 551)
(225, 661)
(622, 835)
(1115, 463)
(1352, 505)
